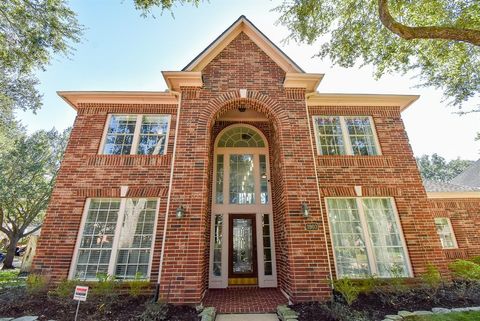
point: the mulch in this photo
(16, 303)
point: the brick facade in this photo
(304, 258)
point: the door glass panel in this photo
(217, 246)
(267, 244)
(242, 238)
(219, 181)
(241, 186)
(263, 180)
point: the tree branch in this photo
(32, 231)
(430, 32)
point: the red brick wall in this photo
(464, 214)
(393, 174)
(84, 174)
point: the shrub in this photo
(105, 286)
(368, 284)
(341, 312)
(137, 285)
(65, 288)
(397, 279)
(464, 269)
(475, 259)
(154, 312)
(347, 289)
(9, 278)
(432, 277)
(36, 283)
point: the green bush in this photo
(347, 289)
(9, 278)
(65, 288)
(432, 277)
(138, 285)
(475, 259)
(342, 312)
(397, 278)
(154, 312)
(106, 285)
(464, 269)
(367, 284)
(36, 283)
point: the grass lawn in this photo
(9, 278)
(454, 316)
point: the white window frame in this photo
(454, 238)
(136, 133)
(113, 257)
(345, 136)
(368, 242)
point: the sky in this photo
(121, 50)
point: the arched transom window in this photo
(241, 137)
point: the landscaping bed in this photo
(17, 302)
(379, 302)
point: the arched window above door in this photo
(240, 137)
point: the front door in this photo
(242, 250)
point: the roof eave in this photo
(343, 99)
(440, 195)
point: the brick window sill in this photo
(128, 160)
(354, 161)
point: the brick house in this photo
(241, 173)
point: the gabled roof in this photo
(470, 176)
(242, 24)
(448, 190)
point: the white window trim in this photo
(454, 238)
(113, 258)
(368, 241)
(345, 136)
(136, 133)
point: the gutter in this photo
(172, 168)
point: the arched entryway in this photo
(242, 250)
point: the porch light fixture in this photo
(180, 212)
(263, 176)
(242, 109)
(305, 210)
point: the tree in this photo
(437, 39)
(28, 170)
(436, 168)
(31, 32)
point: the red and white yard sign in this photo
(80, 293)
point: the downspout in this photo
(318, 186)
(170, 184)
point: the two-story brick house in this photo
(241, 173)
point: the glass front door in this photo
(243, 251)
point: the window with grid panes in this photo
(116, 239)
(445, 232)
(367, 239)
(136, 134)
(345, 135)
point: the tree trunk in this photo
(8, 262)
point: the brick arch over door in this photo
(278, 121)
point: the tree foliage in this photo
(31, 32)
(28, 168)
(437, 39)
(436, 168)
(147, 5)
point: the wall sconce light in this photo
(305, 210)
(242, 109)
(180, 212)
(263, 176)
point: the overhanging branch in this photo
(430, 32)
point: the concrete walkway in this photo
(247, 317)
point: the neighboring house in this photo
(243, 174)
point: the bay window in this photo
(116, 238)
(367, 238)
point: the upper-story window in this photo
(445, 232)
(136, 134)
(345, 135)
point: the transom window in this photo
(367, 239)
(116, 239)
(136, 134)
(241, 137)
(345, 135)
(445, 232)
